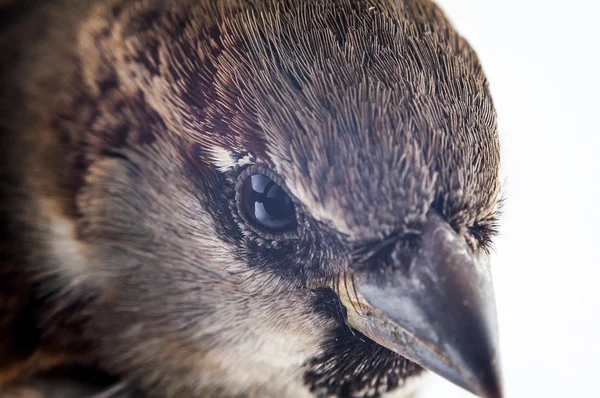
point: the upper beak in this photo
(440, 313)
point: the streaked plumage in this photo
(127, 127)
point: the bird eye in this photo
(267, 205)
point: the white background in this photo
(541, 58)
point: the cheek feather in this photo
(66, 251)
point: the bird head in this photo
(279, 197)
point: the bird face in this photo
(285, 199)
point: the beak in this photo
(440, 313)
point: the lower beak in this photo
(440, 313)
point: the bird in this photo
(246, 198)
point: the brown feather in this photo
(124, 126)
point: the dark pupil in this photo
(268, 204)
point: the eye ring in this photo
(265, 205)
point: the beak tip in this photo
(495, 393)
(491, 385)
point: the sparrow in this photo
(246, 198)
